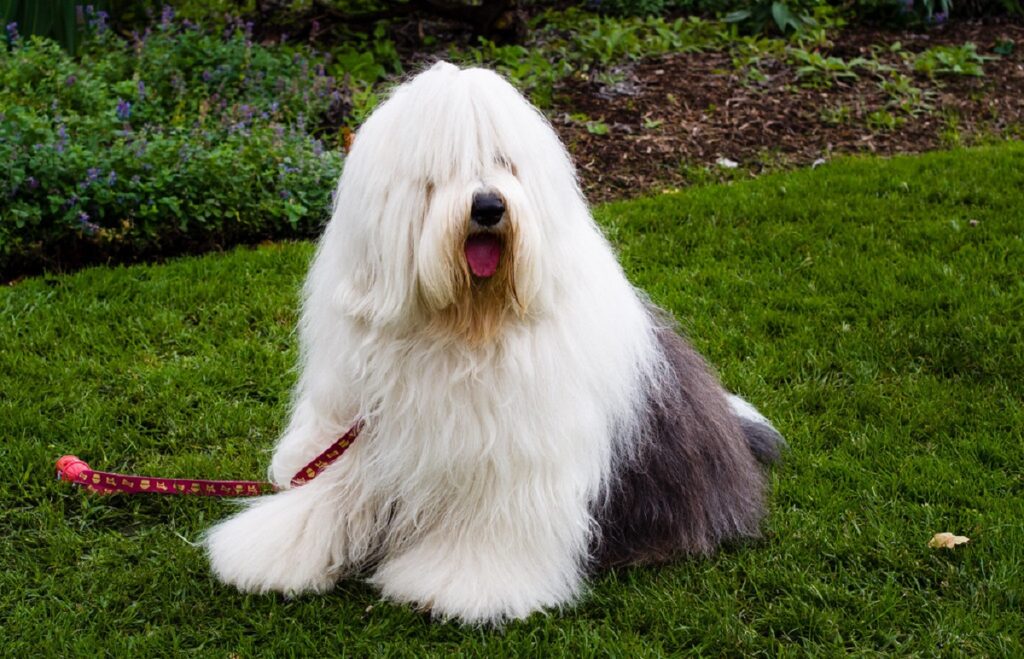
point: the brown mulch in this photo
(697, 109)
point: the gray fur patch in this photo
(692, 481)
(764, 441)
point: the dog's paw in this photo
(281, 543)
(471, 589)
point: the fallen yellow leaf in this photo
(947, 540)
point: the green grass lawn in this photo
(873, 309)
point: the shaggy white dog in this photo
(529, 416)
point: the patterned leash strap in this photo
(75, 470)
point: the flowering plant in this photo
(171, 140)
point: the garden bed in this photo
(116, 154)
(671, 119)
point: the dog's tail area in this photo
(764, 440)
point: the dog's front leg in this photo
(286, 542)
(307, 435)
(486, 577)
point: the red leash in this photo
(75, 470)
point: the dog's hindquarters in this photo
(689, 477)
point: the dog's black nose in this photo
(488, 209)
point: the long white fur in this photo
(470, 489)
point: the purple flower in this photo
(939, 18)
(70, 81)
(90, 177)
(111, 178)
(62, 138)
(12, 31)
(87, 226)
(318, 148)
(141, 86)
(32, 183)
(166, 16)
(285, 194)
(207, 76)
(124, 109)
(97, 19)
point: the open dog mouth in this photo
(483, 253)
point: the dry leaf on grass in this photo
(947, 540)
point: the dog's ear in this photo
(376, 281)
(363, 264)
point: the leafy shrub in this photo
(629, 7)
(764, 15)
(173, 140)
(817, 70)
(951, 61)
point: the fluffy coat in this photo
(522, 429)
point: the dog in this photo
(529, 416)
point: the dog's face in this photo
(476, 257)
(455, 201)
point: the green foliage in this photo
(815, 69)
(951, 61)
(760, 16)
(532, 70)
(883, 121)
(593, 126)
(629, 7)
(176, 139)
(56, 19)
(871, 308)
(906, 97)
(366, 58)
(930, 10)
(566, 42)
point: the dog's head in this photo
(456, 205)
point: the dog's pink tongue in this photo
(483, 251)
